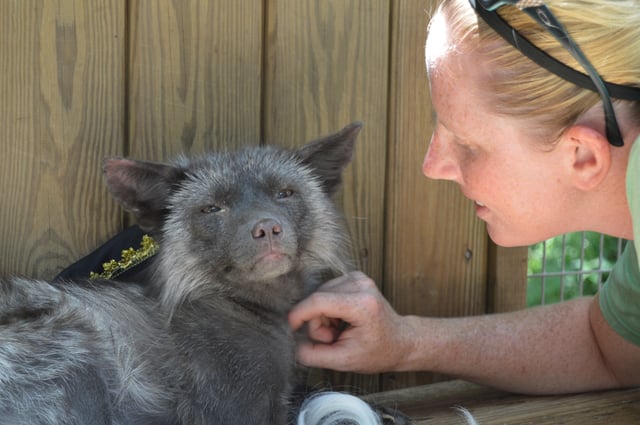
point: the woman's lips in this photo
(481, 209)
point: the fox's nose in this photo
(266, 228)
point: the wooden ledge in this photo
(435, 404)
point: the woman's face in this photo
(516, 184)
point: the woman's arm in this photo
(559, 348)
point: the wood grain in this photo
(506, 285)
(326, 65)
(61, 77)
(195, 72)
(435, 405)
(435, 260)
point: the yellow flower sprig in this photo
(129, 258)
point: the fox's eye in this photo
(211, 209)
(284, 193)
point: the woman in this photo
(538, 155)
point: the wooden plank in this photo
(436, 257)
(507, 279)
(428, 400)
(326, 65)
(62, 90)
(436, 404)
(195, 69)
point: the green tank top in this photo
(620, 295)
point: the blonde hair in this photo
(607, 31)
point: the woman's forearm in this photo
(543, 350)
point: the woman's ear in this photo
(588, 156)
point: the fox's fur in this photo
(244, 236)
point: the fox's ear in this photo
(329, 155)
(142, 188)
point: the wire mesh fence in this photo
(569, 266)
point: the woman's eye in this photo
(284, 193)
(211, 209)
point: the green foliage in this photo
(574, 264)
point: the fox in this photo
(244, 235)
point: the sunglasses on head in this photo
(540, 13)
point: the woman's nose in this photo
(440, 162)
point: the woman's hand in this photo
(351, 327)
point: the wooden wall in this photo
(82, 80)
